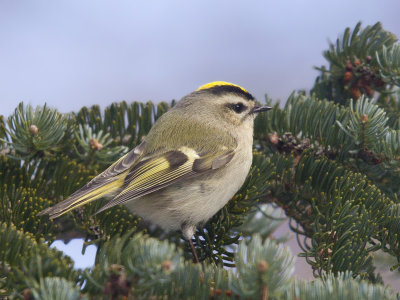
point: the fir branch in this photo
(50, 288)
(389, 63)
(3, 132)
(125, 123)
(23, 259)
(341, 213)
(341, 287)
(263, 220)
(95, 147)
(144, 267)
(359, 43)
(361, 130)
(354, 68)
(368, 128)
(274, 266)
(21, 200)
(305, 117)
(36, 132)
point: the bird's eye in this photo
(238, 107)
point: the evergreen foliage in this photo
(389, 63)
(329, 160)
(354, 65)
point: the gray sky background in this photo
(73, 53)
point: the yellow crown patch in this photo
(219, 83)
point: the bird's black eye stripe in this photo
(238, 107)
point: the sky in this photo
(77, 53)
(74, 53)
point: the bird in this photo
(192, 162)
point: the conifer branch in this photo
(389, 63)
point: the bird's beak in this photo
(258, 109)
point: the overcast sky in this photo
(73, 53)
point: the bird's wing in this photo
(159, 171)
(108, 182)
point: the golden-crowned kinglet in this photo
(191, 163)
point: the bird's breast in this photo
(195, 200)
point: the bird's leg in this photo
(196, 259)
(188, 233)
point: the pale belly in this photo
(193, 201)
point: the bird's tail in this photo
(83, 196)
